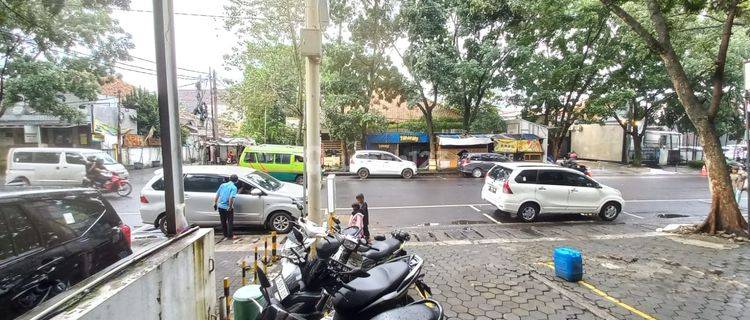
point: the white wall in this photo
(174, 283)
(597, 142)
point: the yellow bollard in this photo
(255, 266)
(273, 247)
(265, 252)
(330, 223)
(244, 272)
(227, 298)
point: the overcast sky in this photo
(201, 41)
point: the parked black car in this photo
(477, 164)
(52, 239)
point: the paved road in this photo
(456, 200)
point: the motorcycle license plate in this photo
(281, 289)
(492, 189)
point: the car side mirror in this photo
(256, 192)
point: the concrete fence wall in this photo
(177, 282)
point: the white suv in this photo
(375, 162)
(531, 189)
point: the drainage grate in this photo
(671, 215)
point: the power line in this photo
(190, 14)
(154, 62)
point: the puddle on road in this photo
(671, 215)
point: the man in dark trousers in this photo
(363, 210)
(224, 201)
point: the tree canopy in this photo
(54, 47)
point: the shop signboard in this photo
(505, 146)
(526, 146)
(409, 138)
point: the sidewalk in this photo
(630, 272)
(604, 168)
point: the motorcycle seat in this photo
(412, 312)
(385, 249)
(383, 279)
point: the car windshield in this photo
(100, 155)
(264, 181)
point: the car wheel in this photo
(407, 174)
(477, 173)
(161, 223)
(363, 173)
(528, 212)
(280, 222)
(610, 211)
(300, 179)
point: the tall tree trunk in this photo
(725, 213)
(467, 116)
(431, 138)
(637, 149)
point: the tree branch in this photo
(637, 27)
(721, 61)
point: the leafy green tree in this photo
(53, 47)
(488, 121)
(351, 78)
(664, 28)
(481, 32)
(271, 40)
(564, 52)
(268, 88)
(146, 105)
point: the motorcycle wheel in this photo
(125, 189)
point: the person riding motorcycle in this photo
(98, 173)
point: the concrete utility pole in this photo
(311, 47)
(169, 121)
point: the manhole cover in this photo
(671, 215)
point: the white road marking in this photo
(665, 200)
(633, 215)
(475, 208)
(491, 218)
(424, 206)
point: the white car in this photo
(375, 162)
(530, 189)
(54, 166)
(261, 201)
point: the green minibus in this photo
(283, 162)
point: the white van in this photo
(54, 166)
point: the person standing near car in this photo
(224, 202)
(366, 220)
(737, 177)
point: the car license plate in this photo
(492, 189)
(281, 289)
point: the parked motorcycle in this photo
(380, 293)
(115, 184)
(573, 164)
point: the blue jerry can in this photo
(568, 263)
